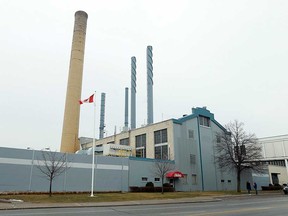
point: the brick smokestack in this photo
(69, 142)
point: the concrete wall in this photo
(275, 147)
(184, 147)
(281, 171)
(19, 172)
(141, 167)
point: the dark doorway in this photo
(275, 179)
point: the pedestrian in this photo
(255, 187)
(248, 187)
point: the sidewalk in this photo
(4, 205)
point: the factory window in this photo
(141, 146)
(277, 163)
(190, 134)
(192, 158)
(124, 141)
(184, 179)
(141, 152)
(161, 152)
(204, 121)
(141, 141)
(160, 136)
(194, 179)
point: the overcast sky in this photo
(230, 56)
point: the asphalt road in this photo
(247, 205)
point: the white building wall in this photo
(149, 131)
(275, 148)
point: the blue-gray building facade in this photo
(19, 172)
(188, 143)
(195, 138)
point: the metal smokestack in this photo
(102, 116)
(126, 109)
(149, 57)
(69, 142)
(133, 92)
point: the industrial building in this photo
(275, 153)
(127, 158)
(188, 141)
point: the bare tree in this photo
(161, 168)
(52, 164)
(237, 150)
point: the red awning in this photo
(175, 174)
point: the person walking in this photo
(255, 188)
(248, 187)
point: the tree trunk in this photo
(238, 180)
(50, 187)
(162, 185)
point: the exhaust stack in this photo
(149, 57)
(69, 142)
(126, 109)
(133, 92)
(102, 116)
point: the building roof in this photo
(196, 112)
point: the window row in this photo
(160, 142)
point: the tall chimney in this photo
(126, 109)
(102, 116)
(69, 142)
(133, 92)
(149, 57)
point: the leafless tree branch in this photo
(161, 168)
(238, 151)
(52, 164)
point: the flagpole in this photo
(93, 149)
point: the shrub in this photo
(149, 184)
(166, 185)
(134, 189)
(272, 187)
(150, 189)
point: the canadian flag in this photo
(88, 100)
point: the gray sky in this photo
(230, 56)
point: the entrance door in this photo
(275, 179)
